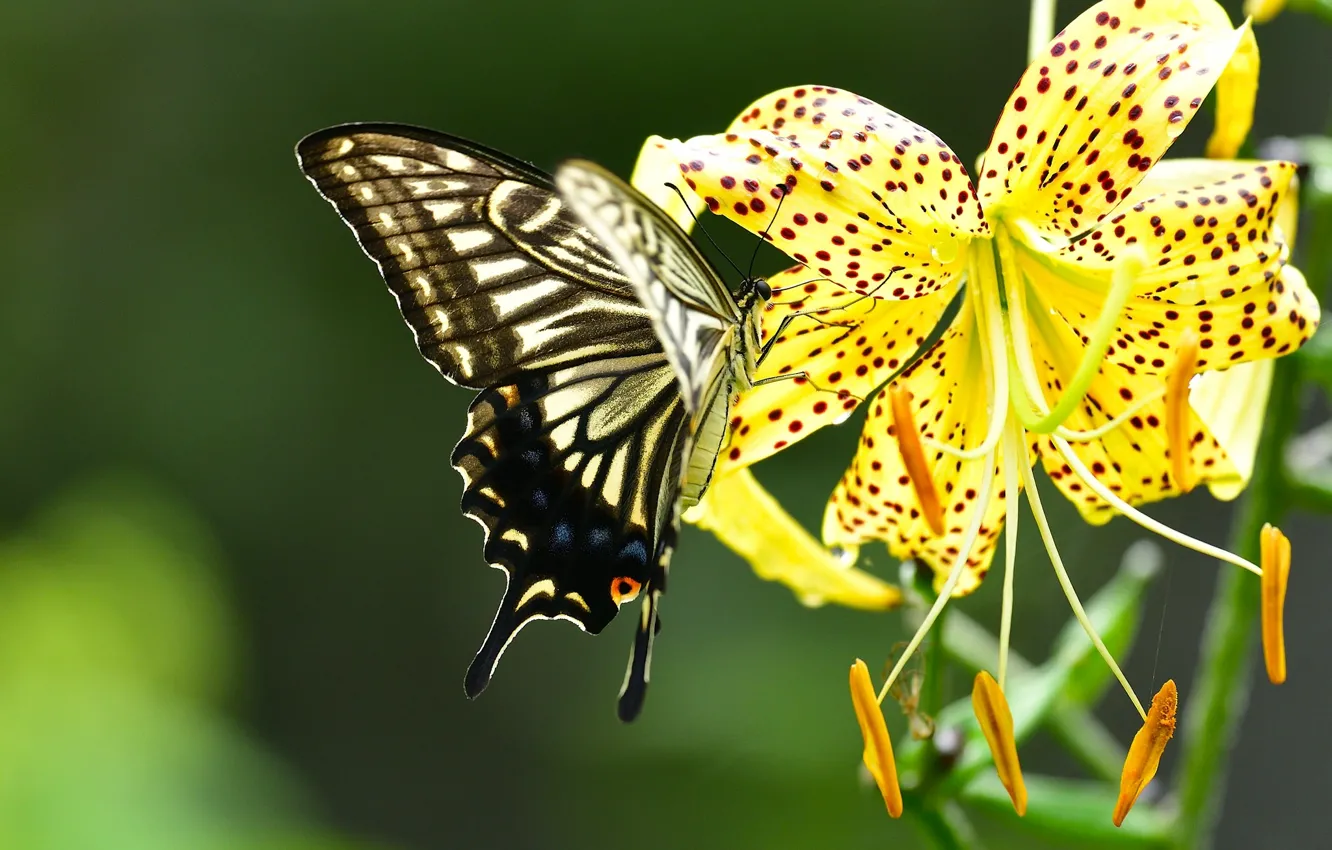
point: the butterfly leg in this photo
(792, 376)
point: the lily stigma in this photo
(1115, 319)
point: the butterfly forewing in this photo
(490, 269)
(574, 449)
(692, 311)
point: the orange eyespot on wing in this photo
(624, 589)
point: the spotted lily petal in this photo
(1232, 402)
(655, 168)
(845, 345)
(1219, 268)
(876, 499)
(1103, 103)
(736, 508)
(868, 198)
(1134, 459)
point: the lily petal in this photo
(754, 525)
(1133, 459)
(1231, 405)
(1102, 104)
(1219, 268)
(1236, 93)
(876, 499)
(845, 345)
(869, 199)
(655, 169)
(1263, 11)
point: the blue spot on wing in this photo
(561, 536)
(634, 551)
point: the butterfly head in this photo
(754, 292)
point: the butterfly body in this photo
(588, 435)
(711, 337)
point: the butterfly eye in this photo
(624, 589)
(762, 289)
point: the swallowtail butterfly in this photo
(600, 415)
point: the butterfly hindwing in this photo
(573, 453)
(561, 482)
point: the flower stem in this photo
(1220, 694)
(1220, 697)
(1040, 30)
(945, 826)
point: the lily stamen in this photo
(878, 755)
(1096, 486)
(1144, 754)
(1097, 433)
(1027, 395)
(955, 572)
(913, 457)
(1276, 571)
(996, 723)
(1079, 613)
(1178, 431)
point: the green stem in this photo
(1216, 707)
(1313, 496)
(936, 663)
(1220, 695)
(945, 826)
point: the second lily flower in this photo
(1096, 284)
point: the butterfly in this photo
(604, 347)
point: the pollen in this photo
(996, 722)
(1144, 755)
(1177, 409)
(878, 754)
(1276, 570)
(913, 457)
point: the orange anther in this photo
(1144, 755)
(996, 722)
(1177, 409)
(1276, 571)
(913, 457)
(878, 753)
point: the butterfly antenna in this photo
(764, 234)
(676, 189)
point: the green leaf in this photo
(1073, 811)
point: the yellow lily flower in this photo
(1098, 287)
(1263, 11)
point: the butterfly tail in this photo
(639, 672)
(634, 689)
(508, 622)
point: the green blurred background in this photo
(236, 594)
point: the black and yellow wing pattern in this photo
(710, 338)
(574, 452)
